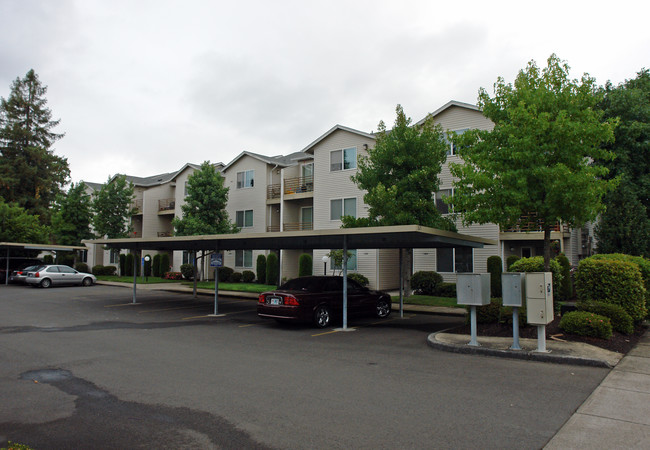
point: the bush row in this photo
(586, 323)
(104, 270)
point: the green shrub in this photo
(505, 315)
(66, 259)
(122, 260)
(510, 260)
(155, 266)
(487, 313)
(426, 283)
(82, 267)
(536, 264)
(225, 273)
(305, 266)
(494, 267)
(359, 278)
(128, 264)
(261, 269)
(644, 267)
(612, 281)
(48, 259)
(248, 276)
(147, 266)
(188, 271)
(621, 321)
(585, 323)
(164, 263)
(272, 269)
(566, 288)
(446, 290)
(235, 277)
(104, 270)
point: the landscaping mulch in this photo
(619, 343)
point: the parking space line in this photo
(249, 325)
(327, 332)
(195, 317)
(171, 309)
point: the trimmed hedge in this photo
(225, 273)
(566, 288)
(272, 269)
(305, 266)
(510, 260)
(104, 270)
(361, 279)
(536, 264)
(261, 269)
(612, 281)
(123, 271)
(248, 276)
(82, 267)
(621, 321)
(164, 263)
(495, 312)
(188, 271)
(585, 323)
(48, 259)
(426, 283)
(494, 268)
(155, 266)
(235, 277)
(446, 290)
(644, 267)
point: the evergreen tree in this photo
(71, 220)
(31, 175)
(113, 208)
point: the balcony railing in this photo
(164, 234)
(166, 204)
(299, 185)
(291, 226)
(530, 224)
(135, 234)
(137, 205)
(273, 191)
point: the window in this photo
(245, 179)
(307, 170)
(185, 191)
(352, 261)
(244, 219)
(83, 256)
(244, 258)
(343, 159)
(343, 207)
(457, 260)
(440, 204)
(452, 146)
(187, 257)
(115, 256)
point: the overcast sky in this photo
(142, 87)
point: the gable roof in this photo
(309, 148)
(448, 105)
(280, 160)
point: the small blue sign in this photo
(216, 260)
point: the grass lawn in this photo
(428, 300)
(240, 287)
(129, 279)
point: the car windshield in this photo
(307, 284)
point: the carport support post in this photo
(345, 282)
(7, 272)
(216, 285)
(135, 279)
(401, 287)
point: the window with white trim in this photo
(443, 207)
(244, 219)
(352, 261)
(343, 159)
(244, 258)
(340, 207)
(458, 260)
(114, 256)
(245, 179)
(452, 147)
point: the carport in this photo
(9, 246)
(395, 237)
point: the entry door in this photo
(307, 218)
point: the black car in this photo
(319, 299)
(15, 263)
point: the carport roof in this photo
(402, 236)
(28, 246)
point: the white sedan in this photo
(46, 276)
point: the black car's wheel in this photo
(87, 281)
(383, 308)
(46, 283)
(322, 316)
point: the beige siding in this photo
(387, 269)
(248, 198)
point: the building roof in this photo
(280, 160)
(332, 130)
(448, 105)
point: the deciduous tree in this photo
(31, 175)
(113, 207)
(72, 217)
(540, 156)
(17, 225)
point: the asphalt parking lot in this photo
(85, 368)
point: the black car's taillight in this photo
(290, 300)
(261, 299)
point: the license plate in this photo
(275, 301)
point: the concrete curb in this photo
(433, 342)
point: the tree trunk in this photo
(547, 248)
(407, 269)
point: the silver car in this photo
(46, 276)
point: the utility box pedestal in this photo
(539, 304)
(473, 289)
(513, 287)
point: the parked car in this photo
(46, 276)
(20, 276)
(15, 263)
(319, 299)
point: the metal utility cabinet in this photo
(513, 286)
(539, 298)
(473, 289)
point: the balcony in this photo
(135, 234)
(137, 206)
(291, 226)
(273, 191)
(298, 185)
(166, 205)
(165, 234)
(531, 224)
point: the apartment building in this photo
(312, 189)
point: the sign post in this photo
(216, 261)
